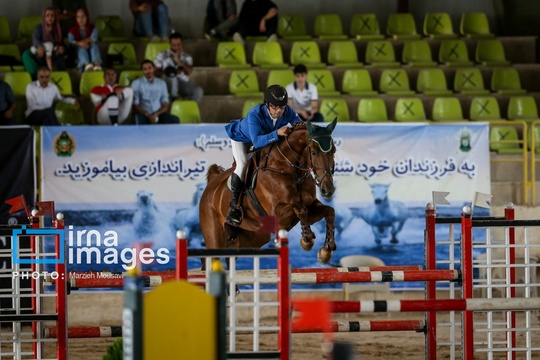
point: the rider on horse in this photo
(262, 126)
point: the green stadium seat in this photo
(292, 27)
(343, 54)
(365, 27)
(323, 79)
(127, 77)
(401, 26)
(62, 80)
(69, 114)
(13, 51)
(522, 108)
(505, 81)
(110, 28)
(248, 104)
(454, 53)
(334, 108)
(485, 108)
(432, 82)
(409, 110)
(329, 27)
(372, 110)
(490, 52)
(5, 31)
(18, 81)
(89, 80)
(231, 55)
(307, 53)
(282, 77)
(475, 25)
(26, 26)
(534, 137)
(357, 82)
(469, 81)
(268, 55)
(447, 109)
(244, 83)
(154, 48)
(439, 26)
(504, 140)
(187, 111)
(417, 53)
(380, 53)
(395, 82)
(127, 51)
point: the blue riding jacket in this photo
(257, 127)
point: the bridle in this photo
(327, 171)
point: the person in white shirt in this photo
(41, 96)
(112, 101)
(174, 66)
(303, 96)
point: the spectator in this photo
(84, 36)
(112, 101)
(261, 127)
(221, 18)
(151, 19)
(40, 98)
(174, 66)
(47, 45)
(150, 98)
(66, 12)
(257, 18)
(7, 104)
(303, 96)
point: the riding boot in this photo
(235, 214)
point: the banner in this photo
(122, 185)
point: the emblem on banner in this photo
(465, 140)
(64, 144)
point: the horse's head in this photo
(380, 192)
(321, 152)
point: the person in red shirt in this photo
(112, 101)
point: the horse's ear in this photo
(332, 125)
(310, 127)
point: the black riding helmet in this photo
(276, 95)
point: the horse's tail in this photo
(213, 170)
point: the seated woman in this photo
(84, 37)
(48, 47)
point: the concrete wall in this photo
(188, 15)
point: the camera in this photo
(170, 71)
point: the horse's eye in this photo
(314, 153)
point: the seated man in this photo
(150, 98)
(151, 19)
(112, 101)
(257, 18)
(174, 66)
(7, 104)
(303, 96)
(221, 18)
(40, 98)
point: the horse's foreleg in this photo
(316, 212)
(396, 228)
(308, 237)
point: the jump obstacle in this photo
(431, 305)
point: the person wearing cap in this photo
(262, 126)
(303, 96)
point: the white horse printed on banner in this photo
(384, 214)
(188, 219)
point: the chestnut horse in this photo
(288, 173)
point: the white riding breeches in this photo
(239, 151)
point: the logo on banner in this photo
(24, 232)
(64, 144)
(465, 139)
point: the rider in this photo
(262, 126)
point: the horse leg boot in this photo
(236, 213)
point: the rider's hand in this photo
(284, 131)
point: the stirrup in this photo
(234, 216)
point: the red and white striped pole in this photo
(431, 287)
(61, 293)
(467, 287)
(511, 316)
(284, 296)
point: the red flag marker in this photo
(268, 224)
(45, 208)
(18, 203)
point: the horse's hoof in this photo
(324, 256)
(394, 241)
(306, 244)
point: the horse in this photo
(384, 214)
(286, 178)
(188, 219)
(344, 216)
